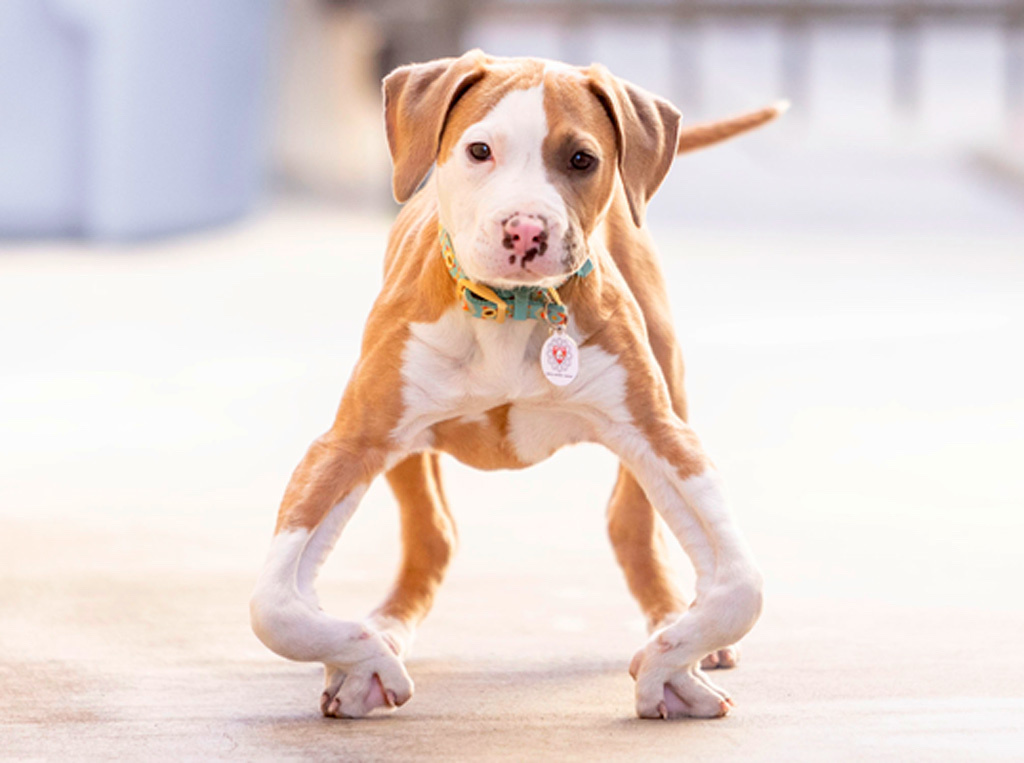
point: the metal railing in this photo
(431, 28)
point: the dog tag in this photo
(560, 358)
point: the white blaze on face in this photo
(476, 198)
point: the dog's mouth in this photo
(540, 273)
(526, 277)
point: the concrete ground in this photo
(862, 394)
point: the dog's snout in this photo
(525, 236)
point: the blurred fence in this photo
(940, 76)
(425, 30)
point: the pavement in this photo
(861, 392)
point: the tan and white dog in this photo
(541, 176)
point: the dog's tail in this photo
(704, 134)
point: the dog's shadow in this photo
(496, 697)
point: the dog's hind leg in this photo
(428, 542)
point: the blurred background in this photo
(194, 203)
(128, 119)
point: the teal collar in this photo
(523, 303)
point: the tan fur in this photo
(575, 119)
(416, 104)
(499, 78)
(483, 444)
(428, 537)
(622, 307)
(646, 132)
(704, 134)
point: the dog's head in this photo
(528, 155)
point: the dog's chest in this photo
(475, 388)
(463, 366)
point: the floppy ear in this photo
(417, 99)
(646, 131)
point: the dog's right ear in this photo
(417, 100)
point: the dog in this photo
(522, 309)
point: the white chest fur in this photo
(460, 367)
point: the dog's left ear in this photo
(417, 99)
(646, 131)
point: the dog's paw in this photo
(669, 688)
(376, 682)
(729, 657)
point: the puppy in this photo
(523, 309)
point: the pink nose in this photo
(525, 237)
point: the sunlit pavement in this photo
(863, 394)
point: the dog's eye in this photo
(479, 152)
(581, 160)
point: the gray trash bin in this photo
(128, 118)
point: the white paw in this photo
(377, 681)
(669, 687)
(729, 657)
(395, 632)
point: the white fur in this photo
(285, 610)
(322, 541)
(537, 431)
(285, 616)
(460, 367)
(476, 198)
(289, 622)
(697, 513)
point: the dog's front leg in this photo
(667, 459)
(363, 671)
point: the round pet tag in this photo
(560, 358)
